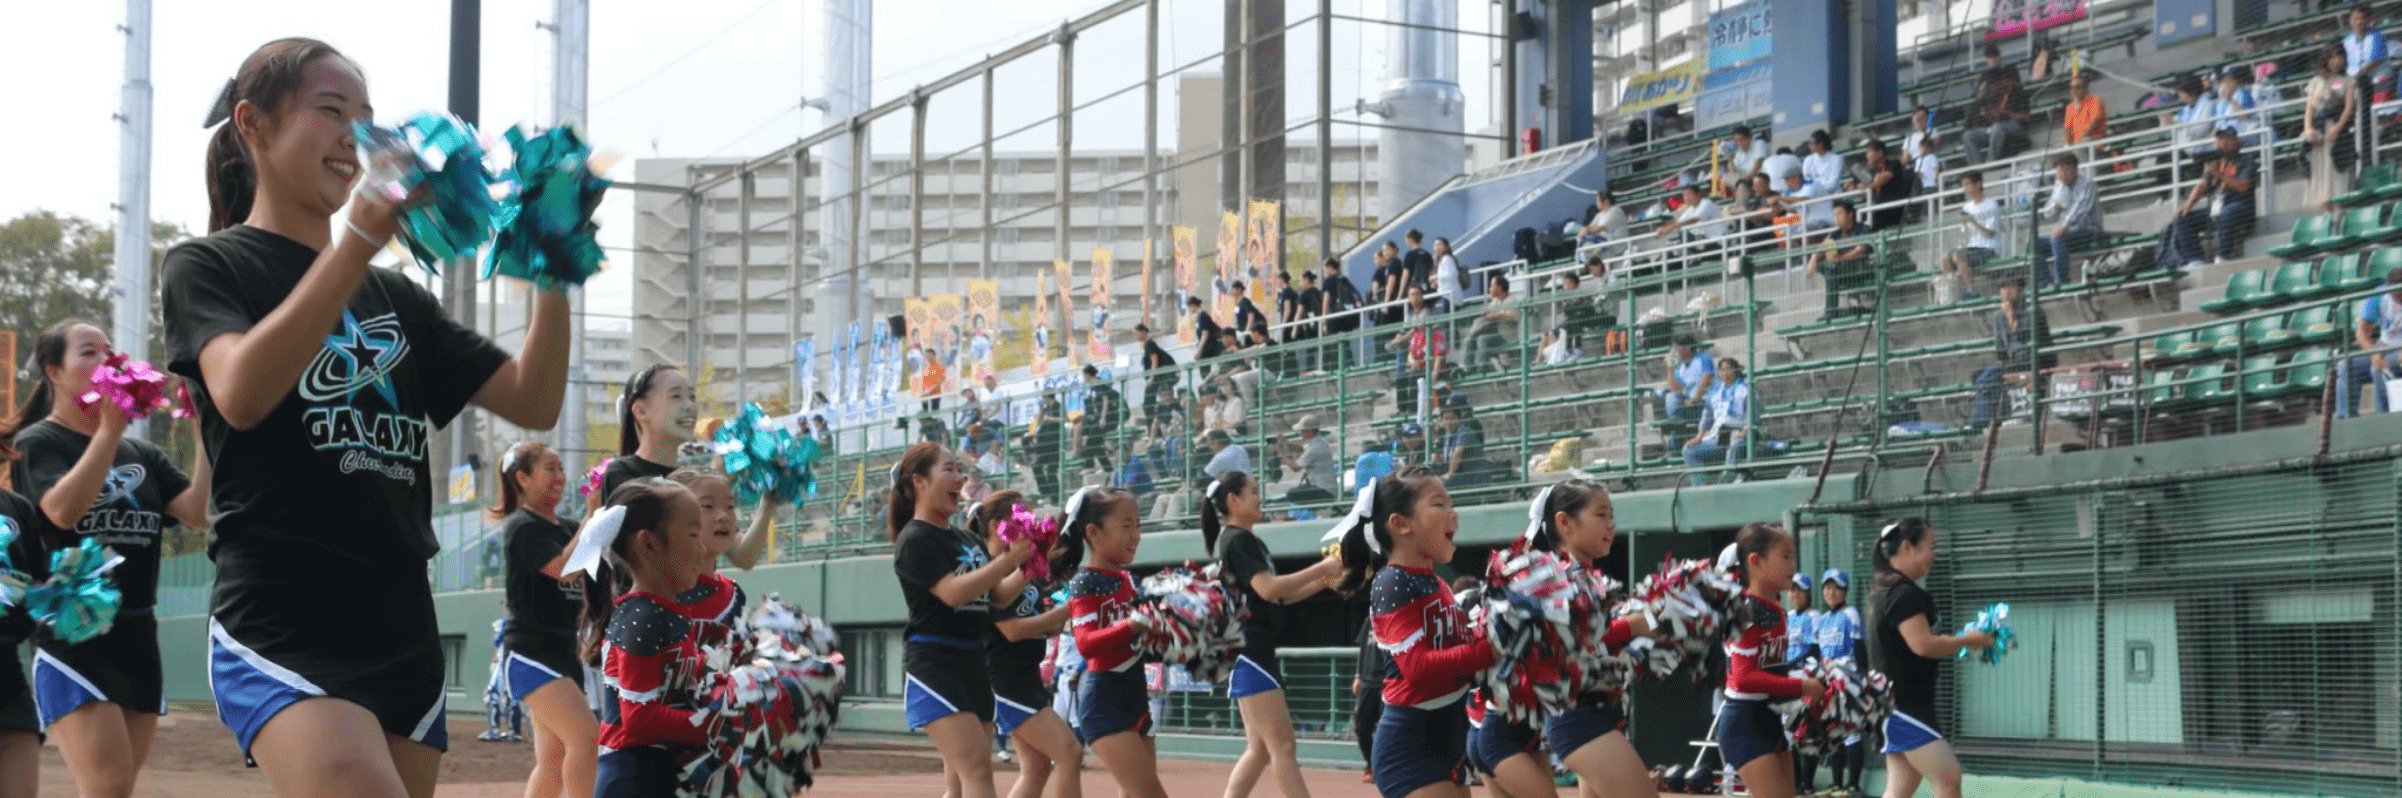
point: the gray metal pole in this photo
(1242, 115)
(984, 199)
(571, 31)
(855, 221)
(132, 317)
(1067, 135)
(1509, 80)
(1326, 130)
(466, 75)
(917, 194)
(792, 270)
(692, 282)
(742, 288)
(1152, 245)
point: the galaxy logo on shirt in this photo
(116, 516)
(356, 362)
(972, 557)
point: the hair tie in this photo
(508, 460)
(1362, 517)
(223, 108)
(1076, 503)
(1888, 531)
(1215, 485)
(1534, 514)
(895, 471)
(593, 540)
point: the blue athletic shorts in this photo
(940, 679)
(1748, 730)
(1592, 717)
(525, 676)
(1252, 677)
(1905, 733)
(1109, 702)
(249, 689)
(1417, 747)
(1496, 740)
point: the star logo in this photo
(119, 485)
(357, 355)
(971, 557)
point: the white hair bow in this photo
(1362, 517)
(1534, 514)
(592, 543)
(1076, 502)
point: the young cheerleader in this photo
(654, 418)
(1024, 623)
(1229, 508)
(640, 552)
(743, 549)
(1907, 650)
(1576, 519)
(1751, 738)
(319, 381)
(1838, 632)
(101, 699)
(1404, 523)
(1112, 702)
(948, 579)
(542, 671)
(20, 737)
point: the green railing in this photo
(1317, 691)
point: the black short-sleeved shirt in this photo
(17, 519)
(1018, 664)
(1372, 660)
(1312, 300)
(627, 468)
(127, 516)
(1913, 676)
(542, 612)
(333, 482)
(1242, 556)
(1156, 357)
(923, 555)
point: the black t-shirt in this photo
(923, 555)
(1311, 300)
(1372, 660)
(127, 516)
(1247, 315)
(332, 484)
(626, 469)
(17, 519)
(542, 612)
(1419, 266)
(1018, 665)
(1913, 676)
(1156, 357)
(1242, 556)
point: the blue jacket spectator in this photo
(1689, 374)
(2379, 326)
(1725, 421)
(2072, 204)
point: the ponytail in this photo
(1362, 540)
(1910, 529)
(519, 459)
(266, 80)
(49, 351)
(629, 434)
(1087, 507)
(647, 502)
(1213, 507)
(1753, 538)
(1570, 497)
(917, 461)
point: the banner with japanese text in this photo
(1067, 310)
(983, 326)
(1184, 252)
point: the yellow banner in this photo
(1654, 89)
(1260, 245)
(950, 340)
(1096, 334)
(1067, 311)
(1230, 267)
(983, 325)
(1038, 362)
(1184, 251)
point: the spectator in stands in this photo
(1757, 211)
(1823, 166)
(1690, 371)
(1224, 455)
(1418, 349)
(2072, 203)
(2379, 326)
(1205, 328)
(1159, 376)
(2084, 119)
(1605, 223)
(1256, 343)
(1310, 299)
(1746, 155)
(1998, 121)
(1041, 444)
(1843, 255)
(2233, 110)
(2018, 326)
(1222, 407)
(1996, 70)
(2229, 179)
(1463, 457)
(1920, 129)
(1419, 265)
(1246, 314)
(1981, 220)
(982, 449)
(1385, 286)
(1725, 419)
(1928, 166)
(1104, 414)
(1375, 462)
(1496, 330)
(971, 410)
(2364, 48)
(2193, 119)
(1314, 462)
(1889, 183)
(1806, 200)
(1700, 219)
(1583, 315)
(1288, 318)
(1783, 163)
(1409, 445)
(1449, 281)
(1597, 271)
(1339, 298)
(2327, 130)
(1555, 347)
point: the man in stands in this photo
(2084, 119)
(1981, 220)
(1104, 413)
(1996, 70)
(1888, 184)
(1385, 286)
(1808, 201)
(2018, 326)
(1246, 314)
(1783, 163)
(1159, 377)
(1314, 462)
(2231, 177)
(1844, 256)
(1337, 299)
(1920, 129)
(1605, 223)
(1690, 371)
(2379, 326)
(2072, 203)
(1416, 263)
(1999, 119)
(1409, 445)
(1311, 298)
(1497, 329)
(1224, 455)
(1747, 155)
(1463, 460)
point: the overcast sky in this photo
(691, 78)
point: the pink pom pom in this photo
(592, 482)
(131, 385)
(183, 402)
(1038, 532)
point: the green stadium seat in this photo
(2165, 393)
(2179, 346)
(2359, 226)
(2380, 262)
(2330, 277)
(2211, 384)
(2307, 372)
(2310, 235)
(2291, 281)
(2316, 324)
(2212, 339)
(2372, 186)
(2243, 289)
(2262, 379)
(2263, 333)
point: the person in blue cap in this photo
(1838, 631)
(1801, 637)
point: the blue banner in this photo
(804, 368)
(1739, 34)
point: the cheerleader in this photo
(1838, 631)
(948, 579)
(1751, 738)
(719, 524)
(101, 698)
(1024, 624)
(1229, 508)
(319, 381)
(20, 735)
(541, 670)
(1404, 524)
(1907, 650)
(1574, 518)
(654, 418)
(1112, 702)
(640, 552)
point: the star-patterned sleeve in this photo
(1420, 625)
(1097, 605)
(1755, 662)
(648, 648)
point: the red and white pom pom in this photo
(1546, 618)
(1853, 702)
(771, 697)
(1195, 621)
(1685, 604)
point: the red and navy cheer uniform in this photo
(1756, 668)
(1422, 738)
(1111, 696)
(651, 669)
(1596, 713)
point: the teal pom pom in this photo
(547, 232)
(1994, 620)
(80, 600)
(439, 153)
(761, 458)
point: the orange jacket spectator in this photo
(2084, 118)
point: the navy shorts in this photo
(642, 771)
(1109, 702)
(1592, 717)
(940, 679)
(1748, 730)
(1496, 740)
(526, 675)
(1417, 747)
